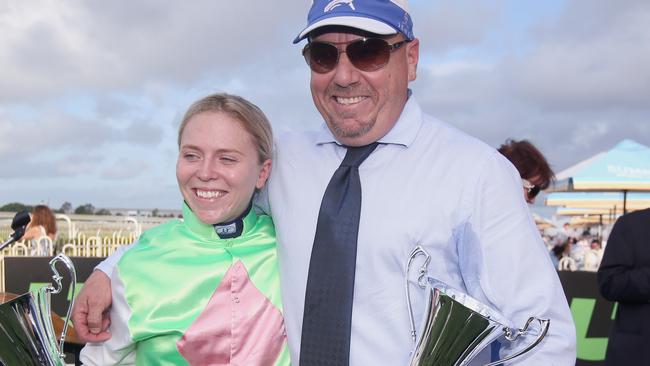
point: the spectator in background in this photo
(558, 253)
(579, 249)
(41, 226)
(595, 245)
(593, 256)
(567, 230)
(536, 175)
(43, 223)
(624, 276)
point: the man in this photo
(624, 276)
(425, 184)
(536, 174)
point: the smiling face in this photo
(361, 107)
(218, 167)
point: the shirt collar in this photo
(207, 231)
(403, 132)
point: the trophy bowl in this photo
(455, 327)
(27, 335)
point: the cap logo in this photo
(334, 3)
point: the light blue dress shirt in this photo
(427, 184)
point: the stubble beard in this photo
(340, 128)
(349, 124)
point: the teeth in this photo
(347, 101)
(208, 194)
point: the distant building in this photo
(158, 212)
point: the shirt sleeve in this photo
(619, 276)
(119, 349)
(108, 264)
(510, 266)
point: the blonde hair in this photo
(251, 117)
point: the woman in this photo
(536, 174)
(205, 289)
(42, 225)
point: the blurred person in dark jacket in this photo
(624, 276)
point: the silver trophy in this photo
(456, 327)
(26, 332)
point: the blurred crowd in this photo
(575, 249)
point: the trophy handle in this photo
(421, 274)
(55, 289)
(512, 336)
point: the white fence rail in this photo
(77, 236)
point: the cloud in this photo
(30, 138)
(73, 165)
(447, 25)
(142, 133)
(120, 194)
(578, 86)
(91, 92)
(55, 131)
(594, 56)
(19, 167)
(124, 169)
(104, 45)
(457, 86)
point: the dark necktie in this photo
(330, 286)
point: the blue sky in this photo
(91, 92)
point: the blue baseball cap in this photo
(382, 17)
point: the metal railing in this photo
(80, 236)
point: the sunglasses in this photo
(532, 189)
(366, 54)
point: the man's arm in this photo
(90, 312)
(120, 348)
(514, 269)
(619, 278)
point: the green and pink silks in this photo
(189, 297)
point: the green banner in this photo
(592, 314)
